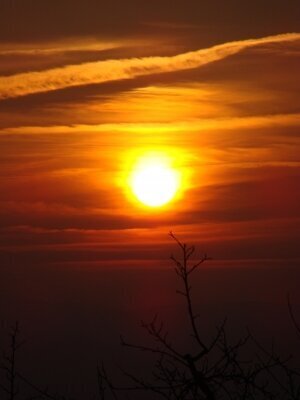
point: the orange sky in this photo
(74, 113)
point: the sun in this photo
(154, 181)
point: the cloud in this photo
(49, 49)
(140, 130)
(112, 70)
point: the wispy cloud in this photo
(112, 70)
(56, 49)
(216, 124)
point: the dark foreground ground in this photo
(71, 318)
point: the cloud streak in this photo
(113, 70)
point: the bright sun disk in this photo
(154, 182)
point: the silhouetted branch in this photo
(13, 376)
(292, 315)
(183, 270)
(43, 393)
(9, 364)
(215, 369)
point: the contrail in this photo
(112, 70)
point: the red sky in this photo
(83, 90)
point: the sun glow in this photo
(154, 181)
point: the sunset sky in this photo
(88, 87)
